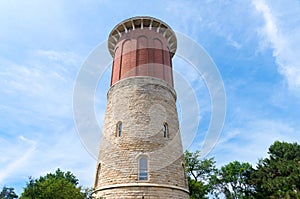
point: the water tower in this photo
(141, 153)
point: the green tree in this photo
(88, 193)
(232, 180)
(278, 176)
(59, 185)
(8, 193)
(199, 174)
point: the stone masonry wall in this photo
(143, 105)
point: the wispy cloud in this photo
(282, 39)
(65, 57)
(62, 150)
(202, 18)
(36, 101)
(45, 78)
(17, 158)
(40, 58)
(251, 142)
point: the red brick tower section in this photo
(142, 47)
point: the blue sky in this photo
(43, 44)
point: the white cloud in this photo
(188, 22)
(66, 57)
(282, 36)
(251, 142)
(36, 89)
(16, 159)
(46, 79)
(62, 150)
(36, 100)
(56, 148)
(233, 43)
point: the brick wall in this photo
(142, 52)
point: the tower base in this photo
(141, 191)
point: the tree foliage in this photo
(199, 174)
(59, 185)
(233, 181)
(8, 193)
(275, 177)
(278, 176)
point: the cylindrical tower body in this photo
(141, 152)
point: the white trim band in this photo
(140, 185)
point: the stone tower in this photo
(141, 153)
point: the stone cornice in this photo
(142, 22)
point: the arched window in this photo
(97, 175)
(119, 129)
(143, 168)
(166, 130)
(184, 174)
